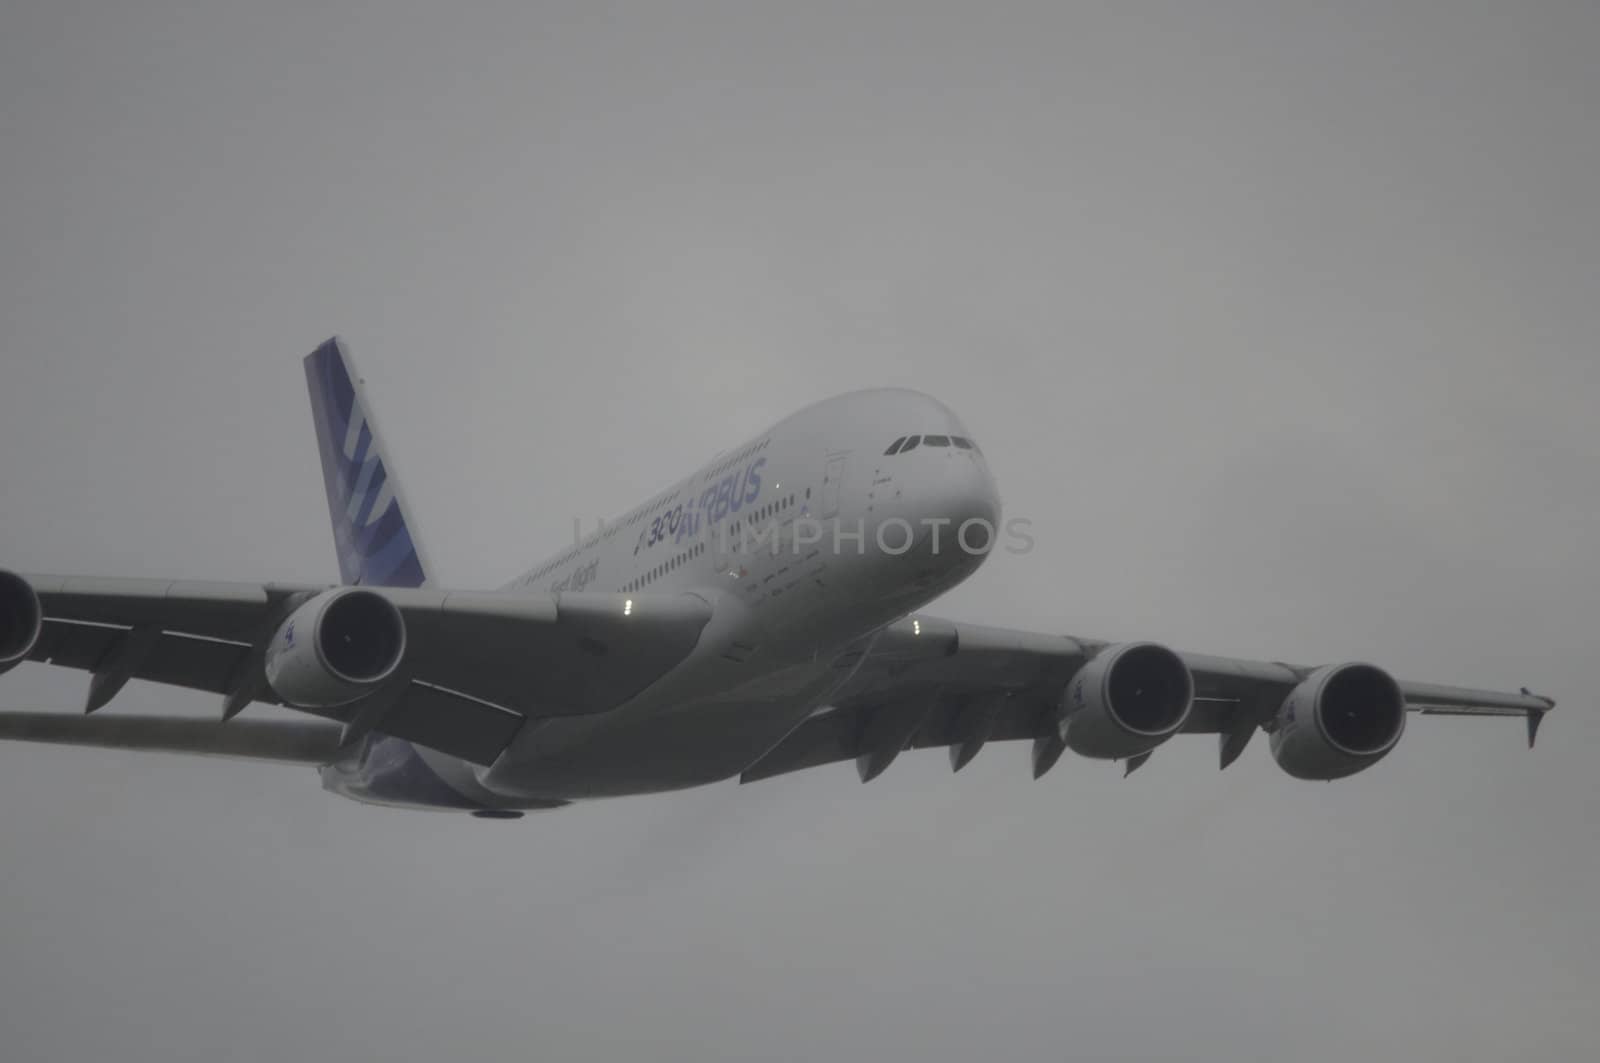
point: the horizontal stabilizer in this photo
(292, 741)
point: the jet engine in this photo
(1341, 719)
(20, 619)
(1127, 700)
(334, 648)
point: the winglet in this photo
(1535, 717)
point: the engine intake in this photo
(336, 647)
(1126, 701)
(21, 619)
(1341, 719)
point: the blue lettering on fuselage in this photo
(717, 502)
(752, 480)
(728, 495)
(690, 519)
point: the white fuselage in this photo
(806, 538)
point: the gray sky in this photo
(1278, 320)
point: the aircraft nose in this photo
(963, 493)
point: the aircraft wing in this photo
(284, 741)
(476, 665)
(926, 682)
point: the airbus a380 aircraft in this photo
(759, 616)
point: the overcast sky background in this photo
(1278, 320)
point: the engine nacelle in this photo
(21, 619)
(1341, 719)
(1126, 701)
(336, 647)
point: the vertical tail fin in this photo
(372, 529)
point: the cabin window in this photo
(962, 441)
(894, 448)
(936, 441)
(911, 444)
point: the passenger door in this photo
(832, 478)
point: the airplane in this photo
(759, 616)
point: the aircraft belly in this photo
(690, 743)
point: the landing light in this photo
(627, 607)
(916, 627)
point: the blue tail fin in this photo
(372, 529)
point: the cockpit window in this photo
(962, 441)
(911, 444)
(894, 448)
(936, 441)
